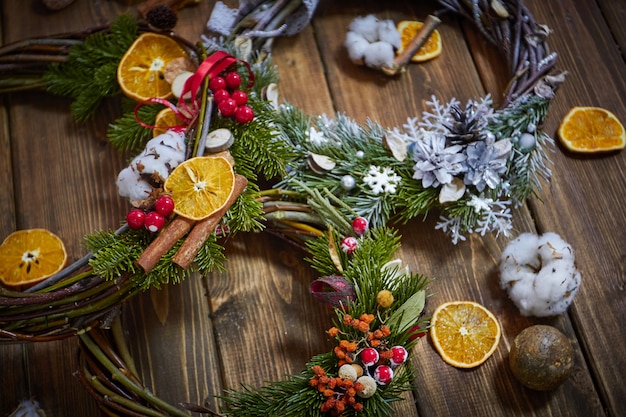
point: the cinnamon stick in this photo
(203, 229)
(416, 43)
(174, 231)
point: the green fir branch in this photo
(210, 258)
(113, 254)
(246, 212)
(90, 73)
(125, 134)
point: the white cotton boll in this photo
(387, 32)
(356, 46)
(366, 26)
(523, 295)
(523, 251)
(379, 54)
(539, 288)
(554, 280)
(552, 246)
(130, 185)
(151, 165)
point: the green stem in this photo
(119, 376)
(120, 342)
(105, 396)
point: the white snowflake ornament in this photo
(382, 180)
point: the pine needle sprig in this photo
(320, 251)
(125, 134)
(246, 213)
(210, 258)
(115, 254)
(90, 73)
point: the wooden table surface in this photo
(257, 321)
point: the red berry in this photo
(360, 225)
(233, 80)
(164, 205)
(227, 107)
(369, 356)
(154, 221)
(220, 95)
(383, 374)
(244, 114)
(135, 219)
(240, 97)
(217, 83)
(349, 244)
(400, 355)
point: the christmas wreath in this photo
(231, 158)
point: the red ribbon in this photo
(177, 112)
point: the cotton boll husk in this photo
(379, 54)
(522, 250)
(387, 32)
(130, 185)
(356, 46)
(552, 246)
(366, 26)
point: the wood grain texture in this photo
(586, 199)
(257, 322)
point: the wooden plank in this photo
(594, 186)
(615, 13)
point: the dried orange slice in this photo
(200, 186)
(431, 49)
(30, 256)
(165, 119)
(591, 129)
(140, 72)
(464, 333)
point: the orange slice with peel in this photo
(591, 130)
(165, 119)
(431, 48)
(141, 71)
(200, 186)
(464, 333)
(29, 256)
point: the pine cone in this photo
(465, 128)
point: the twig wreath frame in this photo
(339, 185)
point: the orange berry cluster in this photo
(340, 393)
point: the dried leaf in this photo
(333, 290)
(396, 144)
(334, 254)
(160, 302)
(407, 315)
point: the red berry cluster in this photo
(152, 220)
(340, 393)
(230, 100)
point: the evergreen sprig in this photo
(90, 73)
(125, 134)
(115, 254)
